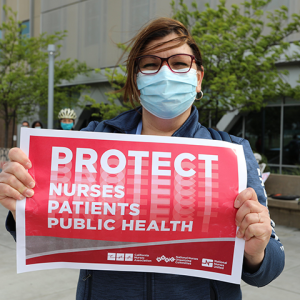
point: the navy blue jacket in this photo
(111, 285)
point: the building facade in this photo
(95, 27)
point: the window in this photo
(25, 32)
(263, 132)
(275, 132)
(253, 128)
(237, 129)
(291, 136)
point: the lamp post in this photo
(51, 51)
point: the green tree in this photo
(24, 73)
(240, 48)
(116, 103)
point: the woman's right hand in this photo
(15, 181)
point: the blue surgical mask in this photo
(66, 126)
(167, 95)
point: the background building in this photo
(275, 130)
(95, 27)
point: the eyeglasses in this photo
(178, 63)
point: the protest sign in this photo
(131, 202)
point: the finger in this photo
(9, 192)
(259, 231)
(9, 203)
(11, 181)
(17, 155)
(248, 207)
(247, 194)
(17, 170)
(253, 218)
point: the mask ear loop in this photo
(201, 93)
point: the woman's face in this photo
(184, 49)
(37, 124)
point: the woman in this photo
(165, 73)
(25, 124)
(37, 125)
(66, 118)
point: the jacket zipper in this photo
(149, 286)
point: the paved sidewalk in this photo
(61, 284)
(287, 285)
(57, 284)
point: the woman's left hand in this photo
(255, 227)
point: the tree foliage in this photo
(241, 46)
(116, 103)
(24, 73)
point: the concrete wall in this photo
(284, 212)
(22, 8)
(96, 26)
